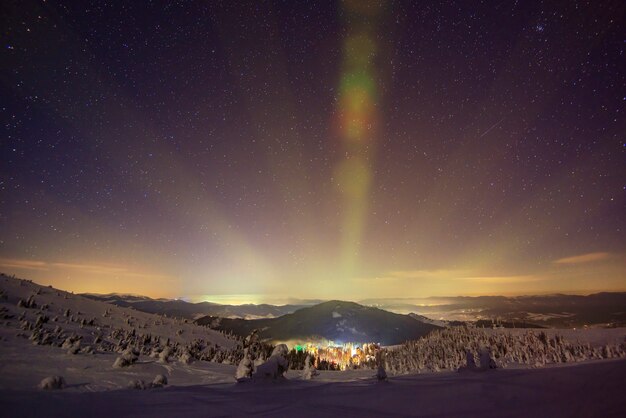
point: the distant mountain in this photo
(558, 310)
(122, 297)
(183, 309)
(555, 311)
(337, 321)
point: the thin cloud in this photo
(110, 270)
(583, 258)
(100, 269)
(502, 279)
(23, 264)
(93, 268)
(451, 276)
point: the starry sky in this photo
(271, 151)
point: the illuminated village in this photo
(340, 356)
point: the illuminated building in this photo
(345, 355)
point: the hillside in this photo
(337, 321)
(86, 317)
(46, 331)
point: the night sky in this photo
(260, 151)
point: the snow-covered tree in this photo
(276, 366)
(186, 357)
(486, 361)
(245, 368)
(381, 374)
(309, 370)
(447, 349)
(164, 355)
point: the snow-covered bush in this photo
(74, 349)
(137, 384)
(88, 349)
(126, 359)
(121, 361)
(164, 355)
(71, 344)
(159, 381)
(28, 303)
(185, 357)
(154, 353)
(52, 383)
(41, 319)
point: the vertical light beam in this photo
(357, 124)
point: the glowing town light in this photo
(343, 356)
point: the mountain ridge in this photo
(335, 320)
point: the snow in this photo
(107, 316)
(589, 390)
(61, 334)
(91, 386)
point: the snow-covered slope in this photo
(81, 339)
(584, 390)
(45, 331)
(57, 303)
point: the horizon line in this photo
(289, 300)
